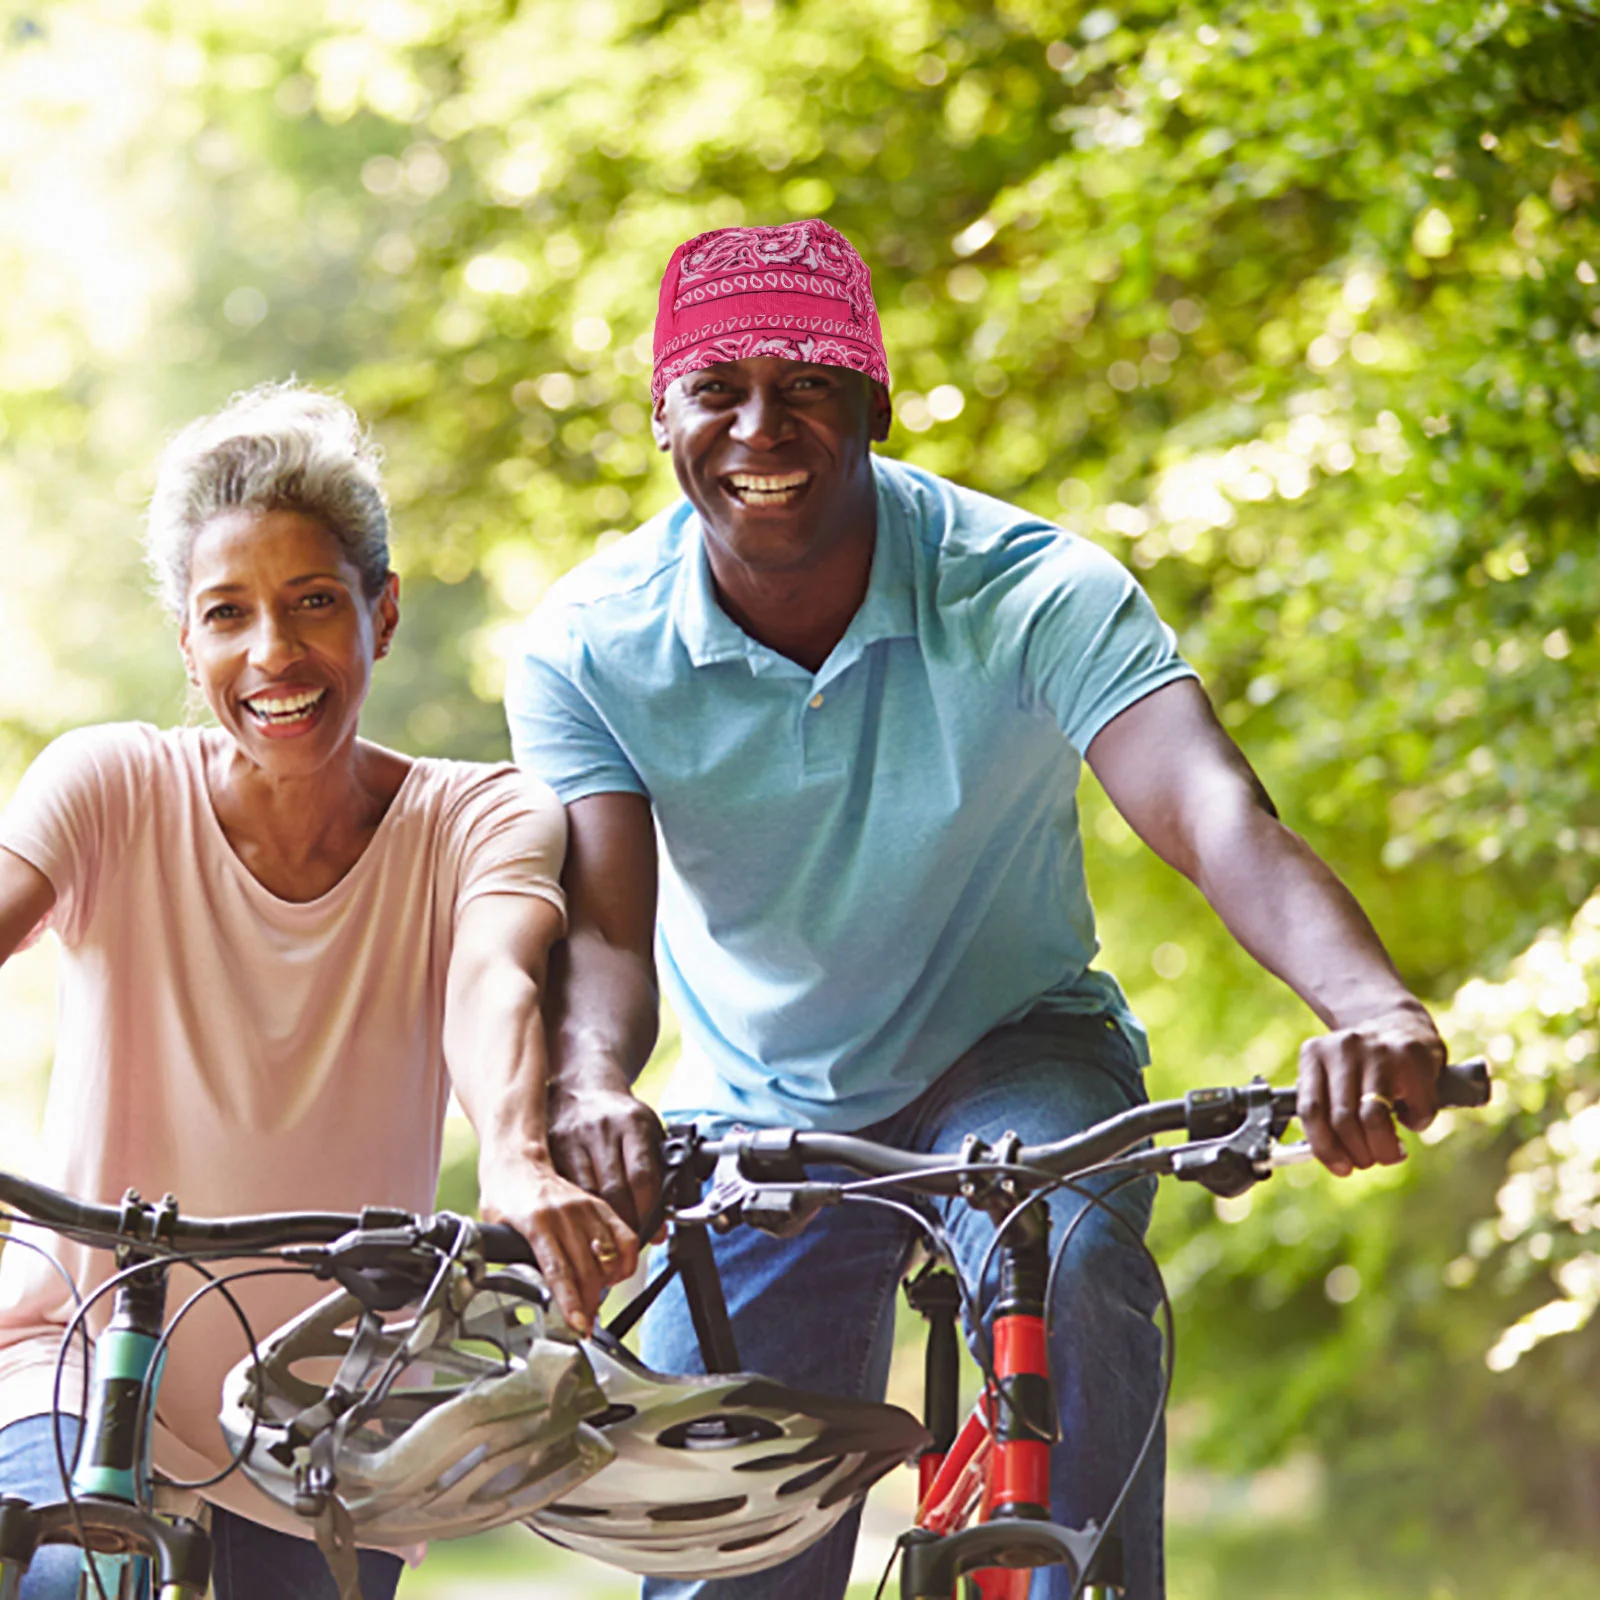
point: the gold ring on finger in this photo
(1377, 1099)
(604, 1251)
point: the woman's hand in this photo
(581, 1245)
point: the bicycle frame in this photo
(104, 1514)
(385, 1254)
(997, 1464)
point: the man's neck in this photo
(801, 613)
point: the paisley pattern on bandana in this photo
(823, 352)
(799, 292)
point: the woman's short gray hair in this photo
(277, 447)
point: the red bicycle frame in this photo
(996, 1468)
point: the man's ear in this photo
(881, 412)
(658, 424)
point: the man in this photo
(852, 701)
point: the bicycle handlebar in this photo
(774, 1154)
(161, 1228)
(1202, 1113)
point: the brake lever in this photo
(1231, 1165)
(1290, 1155)
(384, 1268)
(778, 1209)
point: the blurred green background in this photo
(1293, 306)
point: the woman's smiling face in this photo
(280, 636)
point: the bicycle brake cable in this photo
(401, 1355)
(1169, 1332)
(218, 1286)
(79, 1320)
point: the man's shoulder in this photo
(631, 573)
(973, 536)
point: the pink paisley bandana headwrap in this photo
(799, 292)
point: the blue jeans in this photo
(249, 1561)
(817, 1311)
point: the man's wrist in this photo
(1370, 1009)
(586, 1074)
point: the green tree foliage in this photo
(1296, 307)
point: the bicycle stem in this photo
(112, 1459)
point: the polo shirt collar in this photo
(709, 634)
(887, 611)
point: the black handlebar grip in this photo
(503, 1245)
(1464, 1083)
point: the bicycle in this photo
(536, 1409)
(384, 1259)
(983, 1522)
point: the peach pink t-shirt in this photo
(244, 1052)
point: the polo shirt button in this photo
(815, 702)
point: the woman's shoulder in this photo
(439, 793)
(473, 818)
(108, 755)
(450, 788)
(82, 804)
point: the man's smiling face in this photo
(775, 455)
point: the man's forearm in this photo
(603, 1013)
(1287, 908)
(1187, 790)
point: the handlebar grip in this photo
(1463, 1083)
(504, 1246)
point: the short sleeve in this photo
(509, 834)
(557, 732)
(1074, 626)
(59, 819)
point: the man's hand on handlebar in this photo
(1355, 1082)
(607, 1141)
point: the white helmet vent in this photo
(721, 1475)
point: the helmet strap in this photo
(336, 1539)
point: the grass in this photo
(1212, 1561)
(1328, 1563)
(512, 1561)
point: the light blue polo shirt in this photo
(864, 869)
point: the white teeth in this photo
(760, 489)
(285, 708)
(749, 482)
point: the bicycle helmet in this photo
(717, 1476)
(468, 1415)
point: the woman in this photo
(277, 937)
